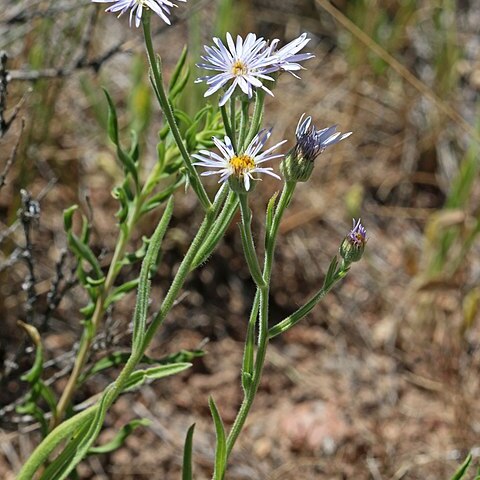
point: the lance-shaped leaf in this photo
(124, 157)
(463, 468)
(139, 377)
(187, 470)
(221, 445)
(120, 437)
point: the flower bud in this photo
(353, 245)
(299, 162)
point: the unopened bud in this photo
(353, 245)
(299, 162)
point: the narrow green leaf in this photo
(331, 271)
(83, 251)
(94, 282)
(124, 157)
(112, 119)
(115, 359)
(463, 468)
(127, 162)
(270, 212)
(180, 85)
(162, 196)
(141, 307)
(120, 437)
(134, 148)
(33, 375)
(68, 217)
(187, 471)
(47, 394)
(119, 292)
(139, 377)
(178, 68)
(248, 354)
(221, 445)
(60, 464)
(183, 117)
(119, 194)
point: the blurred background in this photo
(381, 381)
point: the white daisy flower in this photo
(241, 166)
(287, 58)
(160, 7)
(248, 62)
(244, 62)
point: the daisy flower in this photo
(239, 166)
(287, 57)
(247, 63)
(160, 7)
(243, 61)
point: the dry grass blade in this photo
(398, 67)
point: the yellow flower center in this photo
(239, 68)
(359, 240)
(241, 164)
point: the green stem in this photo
(247, 241)
(218, 230)
(248, 353)
(243, 126)
(303, 311)
(233, 122)
(72, 425)
(263, 334)
(271, 236)
(185, 267)
(250, 393)
(226, 123)
(257, 116)
(167, 109)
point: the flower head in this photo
(354, 243)
(287, 57)
(312, 142)
(247, 63)
(299, 162)
(239, 166)
(160, 7)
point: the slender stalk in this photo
(257, 116)
(233, 122)
(242, 131)
(170, 117)
(263, 336)
(271, 236)
(248, 353)
(247, 241)
(70, 426)
(185, 267)
(221, 224)
(250, 393)
(226, 122)
(303, 311)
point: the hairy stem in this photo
(167, 109)
(263, 335)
